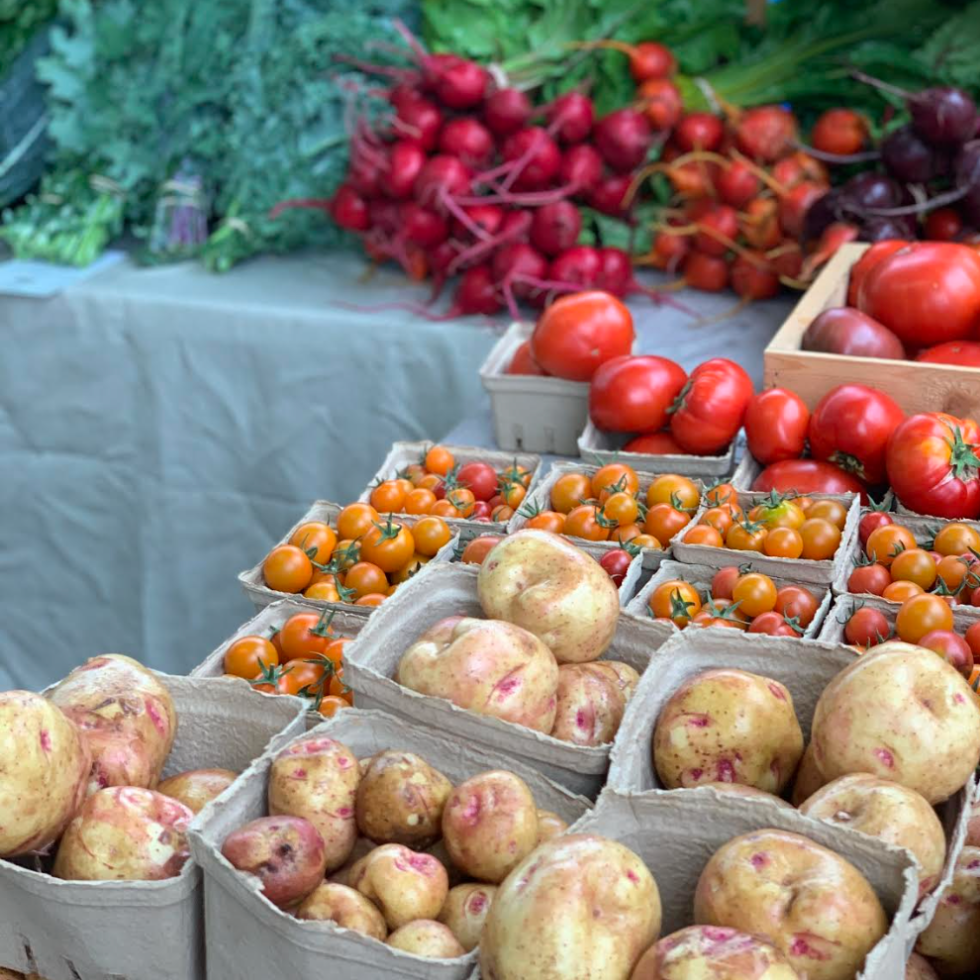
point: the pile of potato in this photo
(82, 771)
(551, 613)
(412, 861)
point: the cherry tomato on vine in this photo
(664, 521)
(746, 537)
(914, 565)
(316, 536)
(331, 704)
(430, 534)
(614, 478)
(287, 569)
(719, 494)
(569, 491)
(705, 534)
(480, 478)
(783, 542)
(548, 520)
(956, 539)
(755, 593)
(821, 539)
(772, 624)
(676, 600)
(724, 582)
(952, 647)
(866, 627)
(477, 550)
(587, 521)
(439, 460)
(616, 563)
(920, 615)
(248, 655)
(356, 519)
(622, 508)
(304, 635)
(387, 545)
(829, 510)
(887, 542)
(388, 497)
(901, 591)
(796, 602)
(873, 578)
(679, 491)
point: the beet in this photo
(623, 138)
(506, 111)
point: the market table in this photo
(161, 428)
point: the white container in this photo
(607, 447)
(532, 413)
(248, 937)
(141, 930)
(700, 577)
(802, 570)
(371, 662)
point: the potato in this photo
(545, 584)
(590, 705)
(578, 906)
(490, 824)
(44, 774)
(197, 788)
(489, 667)
(952, 939)
(749, 792)
(347, 907)
(888, 811)
(426, 938)
(404, 884)
(126, 715)
(286, 854)
(400, 800)
(549, 825)
(713, 953)
(973, 827)
(362, 847)
(626, 677)
(465, 911)
(808, 778)
(812, 904)
(728, 726)
(317, 779)
(125, 833)
(919, 968)
(900, 714)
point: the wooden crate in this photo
(917, 387)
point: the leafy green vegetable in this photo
(19, 20)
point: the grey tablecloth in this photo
(160, 429)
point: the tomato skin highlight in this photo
(633, 394)
(711, 407)
(776, 423)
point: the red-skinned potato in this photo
(489, 667)
(728, 726)
(549, 825)
(404, 884)
(424, 937)
(331, 902)
(901, 713)
(465, 911)
(749, 792)
(317, 779)
(126, 715)
(543, 583)
(45, 772)
(125, 833)
(197, 788)
(888, 811)
(578, 906)
(808, 779)
(713, 953)
(952, 939)
(814, 906)
(845, 330)
(919, 968)
(400, 800)
(285, 853)
(490, 824)
(590, 705)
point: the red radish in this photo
(468, 140)
(555, 227)
(484, 220)
(405, 163)
(535, 157)
(579, 266)
(476, 293)
(349, 209)
(765, 133)
(699, 131)
(753, 277)
(581, 168)
(737, 184)
(456, 82)
(519, 260)
(419, 120)
(384, 216)
(506, 111)
(441, 178)
(609, 197)
(623, 138)
(794, 204)
(661, 103)
(421, 227)
(705, 272)
(403, 93)
(719, 228)
(523, 362)
(571, 117)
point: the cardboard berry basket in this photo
(540, 498)
(803, 571)
(844, 606)
(916, 386)
(805, 667)
(700, 577)
(404, 454)
(247, 936)
(141, 930)
(371, 662)
(253, 581)
(601, 447)
(532, 413)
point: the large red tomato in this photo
(877, 252)
(926, 293)
(633, 394)
(579, 332)
(775, 425)
(850, 427)
(963, 352)
(808, 476)
(709, 411)
(933, 463)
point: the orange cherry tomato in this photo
(675, 600)
(516, 474)
(900, 591)
(463, 501)
(388, 545)
(513, 494)
(278, 680)
(334, 650)
(304, 635)
(331, 704)
(887, 542)
(388, 497)
(625, 532)
(477, 550)
(717, 517)
(587, 521)
(783, 542)
(372, 599)
(356, 519)
(431, 534)
(287, 569)
(409, 570)
(419, 501)
(952, 569)
(346, 554)
(413, 473)
(324, 591)
(548, 520)
(922, 614)
(755, 593)
(746, 537)
(316, 536)
(248, 655)
(622, 508)
(433, 482)
(365, 578)
(821, 539)
(664, 521)
(720, 493)
(444, 508)
(614, 478)
(829, 510)
(501, 514)
(956, 539)
(705, 534)
(569, 491)
(338, 688)
(914, 565)
(647, 541)
(678, 491)
(308, 676)
(439, 460)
